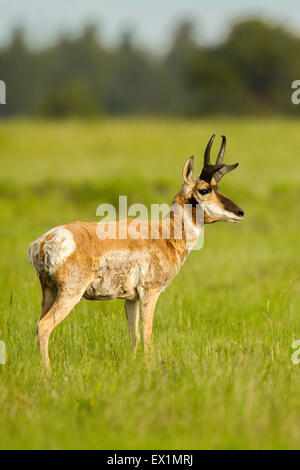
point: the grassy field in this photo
(220, 373)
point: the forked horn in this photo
(207, 150)
(218, 170)
(221, 154)
(223, 171)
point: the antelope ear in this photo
(188, 170)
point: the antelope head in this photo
(204, 189)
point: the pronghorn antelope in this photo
(73, 262)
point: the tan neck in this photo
(185, 227)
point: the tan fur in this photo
(72, 262)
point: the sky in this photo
(151, 20)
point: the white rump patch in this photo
(57, 249)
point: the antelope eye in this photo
(204, 191)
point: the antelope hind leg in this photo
(59, 310)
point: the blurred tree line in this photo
(251, 71)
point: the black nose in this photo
(241, 213)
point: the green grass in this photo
(220, 374)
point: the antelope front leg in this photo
(132, 314)
(148, 303)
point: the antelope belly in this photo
(118, 276)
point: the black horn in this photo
(223, 171)
(207, 150)
(220, 157)
(218, 170)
